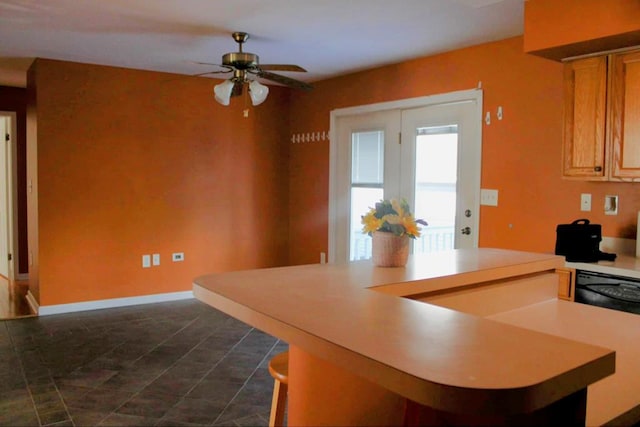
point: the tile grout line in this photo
(149, 318)
(217, 363)
(164, 371)
(89, 330)
(248, 378)
(66, 408)
(176, 362)
(24, 376)
(211, 342)
(28, 386)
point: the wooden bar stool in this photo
(279, 370)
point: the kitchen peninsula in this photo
(364, 340)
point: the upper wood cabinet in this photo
(624, 128)
(602, 118)
(585, 102)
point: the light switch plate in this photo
(488, 197)
(585, 202)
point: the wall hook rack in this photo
(299, 138)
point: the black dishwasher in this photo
(605, 290)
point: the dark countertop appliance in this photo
(608, 291)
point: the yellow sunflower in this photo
(370, 222)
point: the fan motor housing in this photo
(240, 60)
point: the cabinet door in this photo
(624, 130)
(566, 283)
(585, 83)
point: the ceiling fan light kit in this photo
(258, 92)
(243, 63)
(223, 92)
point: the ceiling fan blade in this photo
(210, 72)
(204, 63)
(284, 80)
(223, 66)
(282, 67)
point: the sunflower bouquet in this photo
(392, 216)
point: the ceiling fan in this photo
(245, 64)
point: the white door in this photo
(366, 171)
(429, 155)
(440, 173)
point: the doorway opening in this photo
(13, 288)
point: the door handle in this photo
(466, 230)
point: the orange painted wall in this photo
(134, 162)
(553, 23)
(32, 183)
(521, 155)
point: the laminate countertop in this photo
(438, 357)
(615, 399)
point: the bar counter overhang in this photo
(362, 345)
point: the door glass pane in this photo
(367, 170)
(435, 186)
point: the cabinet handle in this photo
(598, 169)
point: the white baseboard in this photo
(46, 310)
(33, 304)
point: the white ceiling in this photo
(327, 37)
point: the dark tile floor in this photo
(181, 363)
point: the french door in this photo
(425, 150)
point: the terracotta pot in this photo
(390, 250)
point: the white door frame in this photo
(423, 101)
(12, 191)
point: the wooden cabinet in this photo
(624, 128)
(566, 283)
(602, 118)
(585, 97)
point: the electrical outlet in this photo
(610, 205)
(146, 261)
(177, 256)
(156, 259)
(585, 202)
